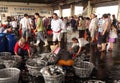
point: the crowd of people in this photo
(101, 31)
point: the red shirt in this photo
(26, 47)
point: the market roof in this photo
(63, 2)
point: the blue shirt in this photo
(100, 29)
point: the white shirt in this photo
(5, 31)
(25, 23)
(1, 29)
(93, 24)
(113, 33)
(14, 24)
(56, 25)
(63, 26)
(82, 42)
(75, 44)
(30, 20)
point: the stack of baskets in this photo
(9, 75)
(83, 69)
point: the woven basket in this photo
(34, 70)
(54, 79)
(9, 75)
(95, 81)
(8, 61)
(5, 53)
(84, 70)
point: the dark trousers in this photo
(81, 33)
(16, 31)
(88, 33)
(22, 53)
(64, 40)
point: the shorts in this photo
(92, 34)
(81, 33)
(56, 36)
(25, 33)
(99, 38)
(104, 37)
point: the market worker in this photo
(79, 45)
(22, 48)
(56, 26)
(39, 30)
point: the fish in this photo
(52, 70)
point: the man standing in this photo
(114, 21)
(25, 25)
(64, 33)
(56, 24)
(39, 30)
(73, 23)
(14, 27)
(93, 27)
(105, 26)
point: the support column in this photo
(89, 11)
(118, 15)
(94, 10)
(60, 11)
(72, 7)
(51, 11)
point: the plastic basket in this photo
(9, 75)
(5, 54)
(84, 70)
(16, 58)
(34, 70)
(11, 39)
(79, 58)
(54, 79)
(8, 61)
(2, 42)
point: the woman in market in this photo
(22, 48)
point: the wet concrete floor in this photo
(107, 67)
